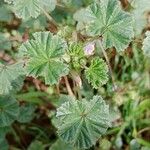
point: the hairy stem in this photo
(79, 93)
(49, 17)
(68, 86)
(108, 63)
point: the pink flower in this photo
(89, 49)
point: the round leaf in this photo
(3, 131)
(4, 144)
(26, 113)
(140, 9)
(81, 123)
(107, 19)
(10, 77)
(45, 56)
(97, 73)
(31, 8)
(9, 110)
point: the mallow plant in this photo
(73, 55)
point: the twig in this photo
(143, 130)
(107, 61)
(68, 86)
(49, 17)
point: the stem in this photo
(123, 127)
(49, 17)
(57, 89)
(108, 63)
(143, 130)
(68, 86)
(79, 93)
(77, 83)
(19, 134)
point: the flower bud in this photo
(89, 49)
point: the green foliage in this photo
(59, 144)
(34, 24)
(9, 1)
(3, 131)
(9, 110)
(45, 57)
(9, 75)
(68, 113)
(81, 123)
(5, 44)
(26, 113)
(76, 54)
(146, 44)
(32, 8)
(3, 144)
(36, 145)
(97, 73)
(107, 19)
(105, 144)
(139, 11)
(5, 14)
(134, 145)
(74, 4)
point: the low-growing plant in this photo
(82, 64)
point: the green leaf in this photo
(3, 131)
(35, 24)
(145, 148)
(5, 44)
(45, 57)
(134, 145)
(36, 145)
(146, 44)
(96, 74)
(9, 110)
(32, 8)
(105, 144)
(107, 19)
(72, 3)
(59, 100)
(76, 54)
(59, 144)
(26, 113)
(140, 9)
(5, 14)
(9, 75)
(81, 123)
(4, 144)
(143, 142)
